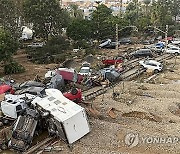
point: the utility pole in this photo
(166, 35)
(117, 37)
(121, 3)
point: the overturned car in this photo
(24, 129)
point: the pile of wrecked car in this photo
(34, 106)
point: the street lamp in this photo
(117, 42)
(165, 32)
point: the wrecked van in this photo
(67, 120)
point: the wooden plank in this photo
(37, 146)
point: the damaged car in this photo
(110, 74)
(24, 129)
(12, 105)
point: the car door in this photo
(152, 66)
(175, 50)
(139, 53)
(144, 53)
(169, 50)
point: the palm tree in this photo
(75, 12)
(146, 2)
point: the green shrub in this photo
(60, 58)
(90, 51)
(54, 51)
(81, 44)
(13, 68)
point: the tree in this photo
(133, 11)
(175, 8)
(143, 23)
(47, 17)
(75, 12)
(8, 46)
(80, 29)
(8, 17)
(54, 51)
(147, 2)
(164, 12)
(101, 22)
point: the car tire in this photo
(74, 91)
(176, 54)
(141, 67)
(156, 71)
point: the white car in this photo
(152, 64)
(172, 50)
(36, 45)
(173, 46)
(85, 70)
(175, 42)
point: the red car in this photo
(112, 61)
(75, 95)
(70, 75)
(6, 89)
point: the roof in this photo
(84, 67)
(152, 61)
(4, 88)
(59, 106)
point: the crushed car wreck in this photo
(12, 105)
(24, 129)
(54, 112)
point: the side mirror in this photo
(45, 114)
(12, 81)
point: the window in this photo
(18, 108)
(153, 64)
(51, 98)
(84, 71)
(54, 109)
(139, 52)
(57, 102)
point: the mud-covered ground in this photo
(150, 111)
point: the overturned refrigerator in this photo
(66, 119)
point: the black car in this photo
(141, 53)
(125, 41)
(146, 42)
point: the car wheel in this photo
(141, 67)
(176, 54)
(74, 91)
(156, 71)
